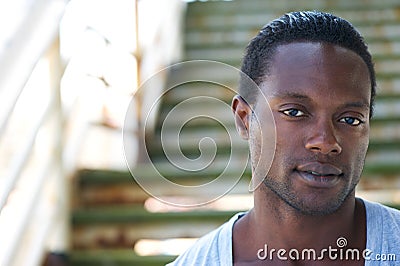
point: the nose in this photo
(323, 139)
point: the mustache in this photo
(321, 158)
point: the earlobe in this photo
(241, 111)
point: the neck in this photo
(289, 228)
(274, 223)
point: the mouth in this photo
(319, 175)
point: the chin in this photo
(318, 204)
(317, 210)
(324, 207)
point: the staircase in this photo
(112, 214)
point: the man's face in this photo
(319, 95)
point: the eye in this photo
(352, 121)
(293, 112)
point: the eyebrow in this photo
(294, 95)
(357, 105)
(290, 95)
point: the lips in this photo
(321, 169)
(321, 175)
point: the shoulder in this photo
(205, 250)
(383, 230)
(388, 215)
(215, 248)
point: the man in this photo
(317, 81)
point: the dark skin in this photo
(319, 95)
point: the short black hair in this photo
(313, 26)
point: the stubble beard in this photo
(287, 195)
(285, 192)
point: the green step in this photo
(369, 31)
(103, 176)
(89, 177)
(381, 169)
(242, 45)
(387, 97)
(254, 6)
(115, 258)
(377, 121)
(234, 22)
(384, 145)
(134, 215)
(394, 206)
(124, 226)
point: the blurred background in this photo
(75, 98)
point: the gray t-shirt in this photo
(383, 243)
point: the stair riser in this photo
(258, 18)
(125, 236)
(246, 6)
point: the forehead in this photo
(317, 68)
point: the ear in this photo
(242, 112)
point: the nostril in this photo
(325, 148)
(324, 143)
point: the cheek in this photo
(356, 143)
(289, 144)
(262, 143)
(359, 151)
(289, 135)
(254, 142)
(356, 158)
